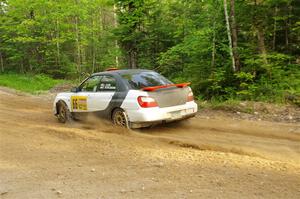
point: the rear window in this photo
(141, 80)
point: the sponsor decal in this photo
(79, 103)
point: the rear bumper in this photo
(157, 115)
(147, 124)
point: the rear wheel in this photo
(63, 113)
(120, 118)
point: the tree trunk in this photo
(116, 41)
(22, 66)
(287, 27)
(213, 53)
(78, 60)
(229, 35)
(261, 44)
(132, 59)
(93, 61)
(31, 55)
(260, 37)
(234, 36)
(274, 29)
(286, 34)
(57, 43)
(83, 56)
(1, 62)
(93, 47)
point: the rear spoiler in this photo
(111, 69)
(153, 88)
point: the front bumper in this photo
(156, 114)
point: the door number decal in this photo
(79, 103)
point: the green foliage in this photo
(184, 40)
(28, 83)
(60, 38)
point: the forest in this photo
(227, 49)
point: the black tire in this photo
(120, 118)
(63, 113)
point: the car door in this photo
(83, 101)
(100, 99)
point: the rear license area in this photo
(181, 113)
(176, 114)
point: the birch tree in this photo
(229, 35)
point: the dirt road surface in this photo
(201, 158)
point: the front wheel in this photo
(120, 118)
(63, 113)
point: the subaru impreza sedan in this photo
(132, 98)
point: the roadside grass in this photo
(250, 107)
(231, 105)
(33, 84)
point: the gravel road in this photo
(219, 157)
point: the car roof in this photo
(122, 71)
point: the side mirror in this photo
(75, 89)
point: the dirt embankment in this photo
(206, 157)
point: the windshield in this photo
(144, 79)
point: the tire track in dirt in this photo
(275, 141)
(215, 158)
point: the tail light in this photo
(190, 96)
(146, 102)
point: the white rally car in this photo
(132, 98)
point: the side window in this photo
(108, 83)
(91, 84)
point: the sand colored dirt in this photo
(200, 158)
